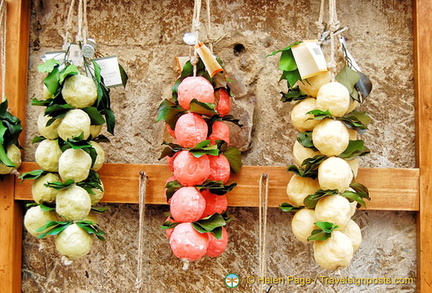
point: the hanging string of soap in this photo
(199, 154)
(67, 187)
(323, 192)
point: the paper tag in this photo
(75, 55)
(309, 58)
(110, 71)
(57, 55)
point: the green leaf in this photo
(216, 187)
(286, 207)
(293, 94)
(55, 110)
(356, 120)
(311, 200)
(48, 66)
(51, 81)
(95, 116)
(56, 228)
(32, 175)
(92, 182)
(207, 109)
(233, 156)
(204, 148)
(305, 139)
(3, 155)
(324, 231)
(171, 188)
(320, 115)
(60, 185)
(37, 139)
(209, 224)
(309, 167)
(359, 194)
(68, 71)
(354, 149)
(110, 120)
(169, 225)
(284, 49)
(92, 228)
(349, 78)
(169, 112)
(46, 207)
(291, 76)
(124, 76)
(287, 61)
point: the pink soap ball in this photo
(189, 170)
(214, 203)
(172, 178)
(217, 246)
(220, 130)
(168, 232)
(169, 130)
(220, 169)
(223, 100)
(194, 87)
(190, 129)
(187, 205)
(170, 162)
(187, 243)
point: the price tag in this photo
(75, 55)
(110, 71)
(309, 58)
(57, 55)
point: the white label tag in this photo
(75, 55)
(309, 58)
(110, 71)
(57, 55)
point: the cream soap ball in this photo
(73, 203)
(42, 193)
(352, 230)
(330, 137)
(73, 124)
(100, 158)
(35, 218)
(303, 223)
(301, 153)
(74, 164)
(299, 188)
(334, 97)
(335, 209)
(335, 173)
(73, 242)
(14, 154)
(335, 252)
(50, 131)
(79, 91)
(300, 119)
(47, 155)
(311, 85)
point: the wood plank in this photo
(390, 189)
(423, 81)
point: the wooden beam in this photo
(390, 189)
(423, 82)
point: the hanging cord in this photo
(262, 214)
(82, 23)
(66, 34)
(195, 28)
(209, 34)
(3, 20)
(142, 200)
(320, 23)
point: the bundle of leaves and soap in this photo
(10, 129)
(67, 186)
(322, 192)
(201, 160)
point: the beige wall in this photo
(147, 36)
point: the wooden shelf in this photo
(390, 189)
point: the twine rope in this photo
(66, 35)
(82, 23)
(262, 215)
(195, 29)
(3, 21)
(142, 200)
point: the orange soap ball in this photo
(194, 87)
(190, 129)
(187, 243)
(217, 246)
(214, 203)
(189, 170)
(220, 130)
(220, 169)
(223, 101)
(187, 205)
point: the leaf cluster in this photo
(286, 207)
(356, 120)
(323, 232)
(212, 224)
(56, 227)
(10, 129)
(309, 167)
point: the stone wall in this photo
(147, 36)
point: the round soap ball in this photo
(98, 194)
(187, 205)
(334, 97)
(35, 218)
(301, 153)
(100, 158)
(335, 173)
(190, 129)
(95, 130)
(300, 119)
(73, 242)
(352, 230)
(47, 155)
(217, 246)
(299, 188)
(311, 85)
(220, 169)
(214, 203)
(194, 87)
(46, 93)
(223, 101)
(79, 91)
(42, 193)
(303, 223)
(330, 137)
(220, 131)
(74, 164)
(75, 123)
(73, 203)
(186, 243)
(335, 252)
(335, 209)
(50, 131)
(354, 164)
(189, 170)
(353, 105)
(14, 154)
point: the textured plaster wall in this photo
(147, 36)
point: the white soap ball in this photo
(73, 124)
(352, 106)
(353, 134)
(79, 91)
(335, 252)
(330, 137)
(334, 209)
(98, 195)
(303, 223)
(352, 230)
(354, 164)
(299, 118)
(42, 193)
(74, 164)
(47, 155)
(335, 173)
(95, 130)
(100, 159)
(311, 85)
(49, 132)
(73, 242)
(301, 153)
(353, 205)
(73, 203)
(299, 188)
(14, 154)
(46, 93)
(334, 97)
(36, 218)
